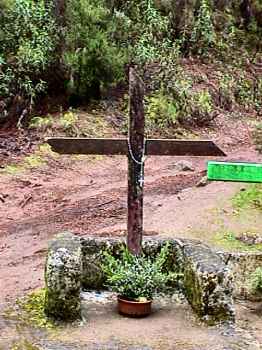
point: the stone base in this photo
(72, 263)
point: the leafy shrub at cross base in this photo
(137, 278)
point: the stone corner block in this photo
(208, 284)
(63, 272)
(242, 266)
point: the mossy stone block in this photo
(63, 272)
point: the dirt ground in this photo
(171, 326)
(87, 195)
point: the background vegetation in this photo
(79, 49)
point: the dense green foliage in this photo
(27, 44)
(203, 35)
(256, 281)
(146, 32)
(79, 48)
(136, 277)
(91, 56)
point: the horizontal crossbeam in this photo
(154, 147)
(237, 172)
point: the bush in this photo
(27, 44)
(91, 55)
(177, 100)
(161, 111)
(146, 32)
(203, 36)
(35, 46)
(256, 281)
(201, 108)
(195, 108)
(86, 45)
(136, 277)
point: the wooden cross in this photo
(136, 148)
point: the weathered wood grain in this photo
(154, 147)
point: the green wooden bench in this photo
(234, 171)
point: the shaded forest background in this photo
(69, 52)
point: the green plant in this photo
(240, 88)
(27, 45)
(203, 101)
(135, 277)
(153, 39)
(203, 36)
(68, 120)
(244, 91)
(198, 108)
(92, 58)
(226, 85)
(161, 111)
(256, 281)
(145, 31)
(40, 123)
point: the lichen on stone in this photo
(208, 284)
(63, 274)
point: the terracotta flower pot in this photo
(133, 308)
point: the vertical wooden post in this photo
(135, 163)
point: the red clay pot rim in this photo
(121, 298)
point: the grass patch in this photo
(74, 123)
(65, 121)
(36, 160)
(229, 241)
(251, 197)
(46, 152)
(24, 345)
(39, 158)
(33, 161)
(12, 169)
(29, 311)
(30, 162)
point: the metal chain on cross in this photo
(141, 163)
